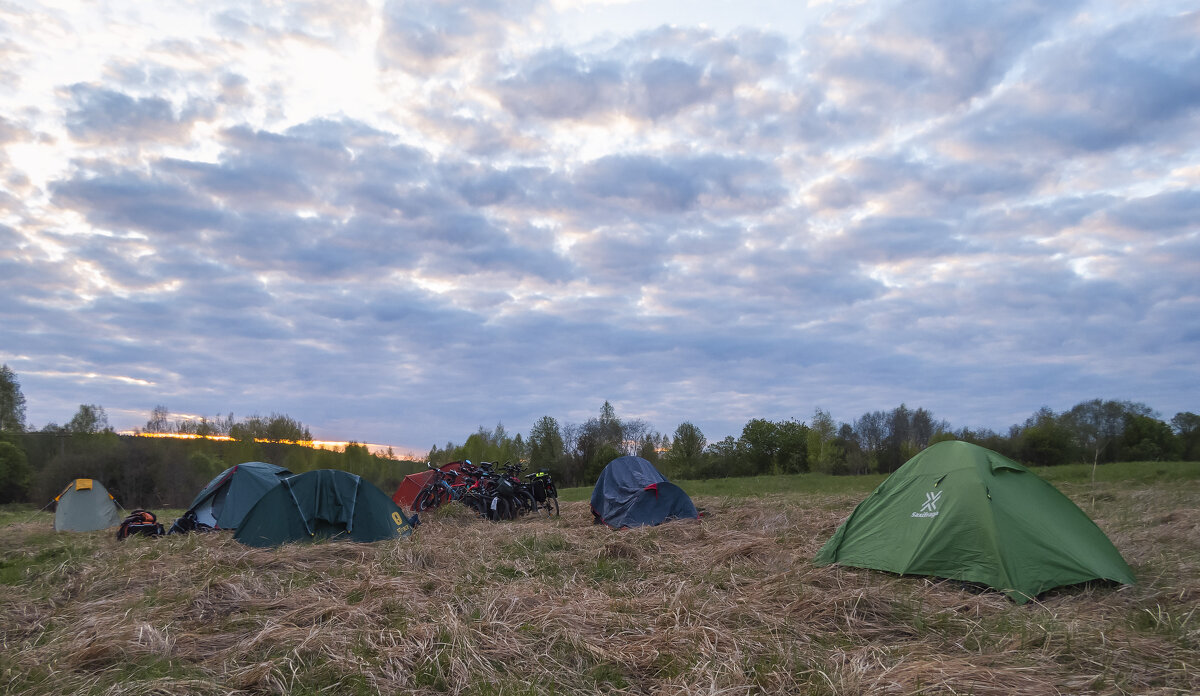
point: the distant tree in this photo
(159, 421)
(89, 420)
(760, 441)
(609, 428)
(12, 402)
(792, 456)
(1097, 425)
(871, 429)
(275, 428)
(1187, 428)
(592, 445)
(1045, 441)
(14, 473)
(823, 451)
(686, 455)
(854, 461)
(545, 445)
(725, 458)
(600, 459)
(1148, 439)
(921, 429)
(651, 445)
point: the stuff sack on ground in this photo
(140, 523)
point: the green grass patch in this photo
(803, 484)
(1122, 472)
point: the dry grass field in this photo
(727, 605)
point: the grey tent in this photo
(229, 496)
(85, 505)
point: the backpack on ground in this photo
(140, 522)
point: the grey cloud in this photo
(1096, 95)
(652, 184)
(126, 200)
(928, 55)
(837, 193)
(895, 238)
(647, 182)
(1171, 212)
(101, 114)
(313, 22)
(630, 257)
(668, 86)
(653, 76)
(558, 84)
(422, 36)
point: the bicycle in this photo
(438, 491)
(544, 492)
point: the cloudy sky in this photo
(397, 221)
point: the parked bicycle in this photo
(544, 492)
(492, 492)
(440, 489)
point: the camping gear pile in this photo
(139, 523)
(955, 511)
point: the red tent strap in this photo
(652, 487)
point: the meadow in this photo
(730, 604)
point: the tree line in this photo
(35, 465)
(158, 472)
(1095, 431)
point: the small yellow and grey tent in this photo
(85, 505)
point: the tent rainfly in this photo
(632, 493)
(85, 505)
(226, 499)
(322, 504)
(960, 511)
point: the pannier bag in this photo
(539, 488)
(188, 523)
(140, 522)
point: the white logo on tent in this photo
(929, 509)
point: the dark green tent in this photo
(961, 511)
(229, 496)
(322, 504)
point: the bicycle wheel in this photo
(551, 507)
(477, 505)
(525, 502)
(421, 502)
(500, 509)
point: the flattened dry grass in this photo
(727, 605)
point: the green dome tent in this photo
(963, 512)
(322, 504)
(229, 496)
(85, 505)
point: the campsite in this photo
(729, 603)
